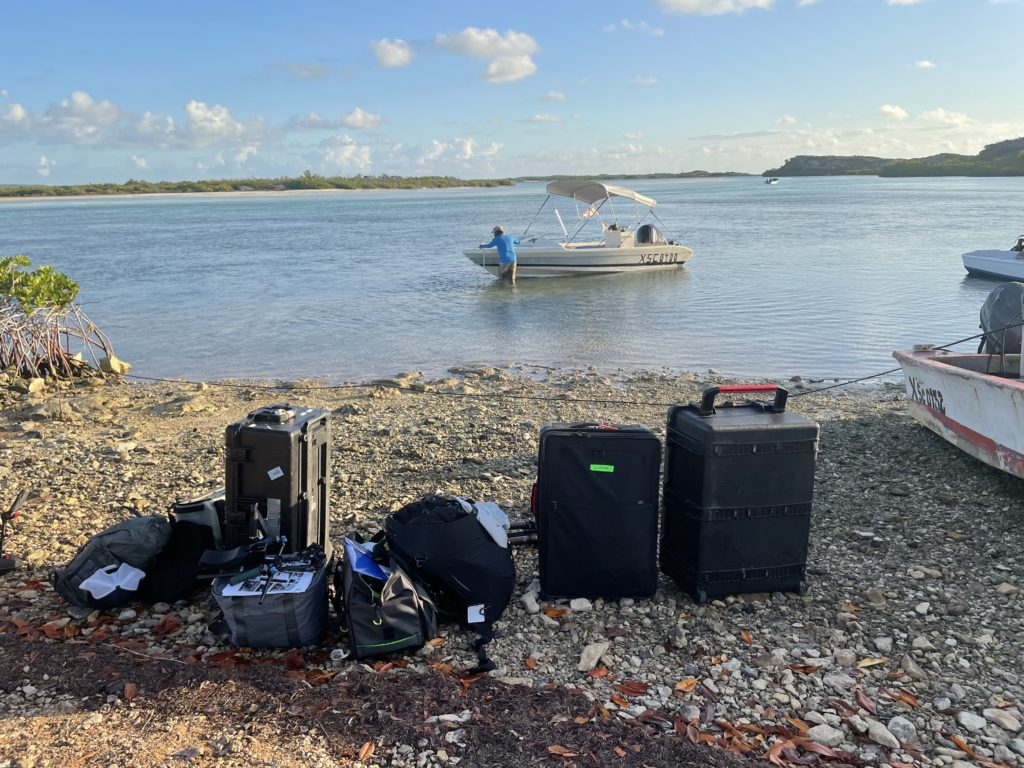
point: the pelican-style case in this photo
(278, 465)
(739, 482)
(596, 502)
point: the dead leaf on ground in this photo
(130, 691)
(865, 702)
(366, 751)
(863, 663)
(804, 669)
(797, 723)
(619, 701)
(687, 684)
(747, 637)
(554, 613)
(631, 688)
(963, 746)
(598, 673)
(580, 720)
(558, 749)
(850, 607)
(531, 663)
(620, 752)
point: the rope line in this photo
(533, 398)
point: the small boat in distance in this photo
(772, 180)
(1005, 265)
(637, 247)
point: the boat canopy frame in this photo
(593, 193)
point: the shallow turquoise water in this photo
(816, 276)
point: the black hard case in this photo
(597, 510)
(279, 470)
(739, 482)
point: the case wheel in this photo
(801, 588)
(702, 597)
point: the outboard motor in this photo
(1003, 307)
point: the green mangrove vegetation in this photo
(308, 180)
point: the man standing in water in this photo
(506, 245)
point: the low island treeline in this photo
(307, 180)
(1004, 158)
(631, 176)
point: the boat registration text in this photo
(927, 396)
(659, 258)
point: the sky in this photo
(107, 91)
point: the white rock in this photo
(1006, 588)
(839, 681)
(111, 364)
(970, 721)
(922, 643)
(827, 735)
(529, 601)
(923, 608)
(904, 730)
(879, 734)
(591, 655)
(883, 644)
(580, 605)
(858, 723)
(1002, 718)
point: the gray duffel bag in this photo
(280, 619)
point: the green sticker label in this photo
(602, 467)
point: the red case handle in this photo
(707, 400)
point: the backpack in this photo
(442, 543)
(135, 543)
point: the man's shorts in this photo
(508, 270)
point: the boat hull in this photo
(584, 260)
(978, 412)
(1006, 265)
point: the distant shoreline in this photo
(230, 193)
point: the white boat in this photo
(975, 401)
(639, 247)
(1007, 265)
(772, 180)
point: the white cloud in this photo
(554, 96)
(904, 2)
(892, 111)
(4, 93)
(635, 26)
(207, 125)
(924, 64)
(44, 166)
(943, 117)
(632, 136)
(509, 68)
(545, 119)
(807, 2)
(140, 162)
(156, 128)
(391, 53)
(508, 55)
(786, 120)
(644, 80)
(357, 118)
(711, 7)
(311, 122)
(244, 152)
(463, 153)
(16, 116)
(310, 71)
(343, 153)
(81, 119)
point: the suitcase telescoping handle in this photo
(707, 400)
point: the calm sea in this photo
(821, 277)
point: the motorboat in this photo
(1005, 265)
(975, 401)
(772, 180)
(639, 246)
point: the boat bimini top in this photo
(591, 192)
(593, 195)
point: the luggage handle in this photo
(279, 413)
(707, 400)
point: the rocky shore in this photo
(905, 651)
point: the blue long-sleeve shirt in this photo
(506, 245)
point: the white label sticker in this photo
(275, 473)
(475, 614)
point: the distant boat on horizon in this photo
(772, 180)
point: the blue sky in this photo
(105, 91)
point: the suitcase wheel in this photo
(801, 588)
(702, 597)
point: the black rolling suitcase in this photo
(739, 480)
(278, 466)
(596, 502)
